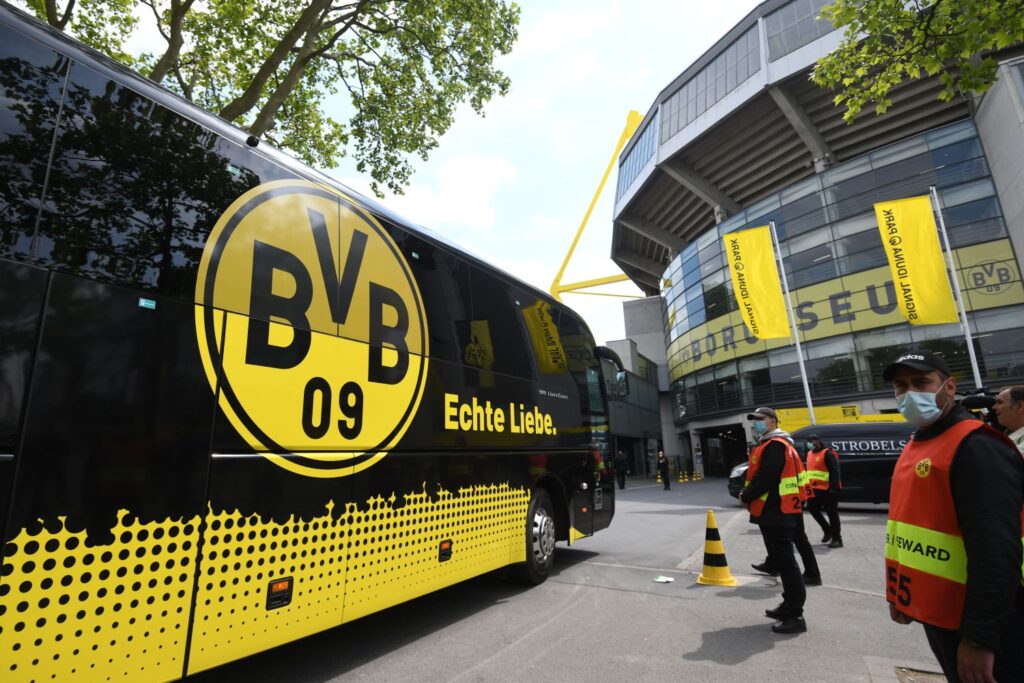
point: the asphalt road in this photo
(602, 617)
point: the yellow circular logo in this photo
(923, 467)
(311, 328)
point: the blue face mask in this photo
(919, 407)
(759, 427)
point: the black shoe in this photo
(826, 538)
(790, 625)
(836, 543)
(778, 613)
(765, 569)
(812, 580)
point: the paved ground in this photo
(601, 616)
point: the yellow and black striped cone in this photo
(697, 476)
(657, 477)
(716, 569)
(683, 478)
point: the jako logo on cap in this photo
(314, 321)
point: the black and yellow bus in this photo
(240, 404)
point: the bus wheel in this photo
(540, 540)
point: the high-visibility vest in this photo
(817, 470)
(792, 484)
(925, 560)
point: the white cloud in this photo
(459, 195)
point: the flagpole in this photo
(777, 248)
(956, 287)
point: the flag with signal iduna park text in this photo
(911, 244)
(755, 280)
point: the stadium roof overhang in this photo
(775, 129)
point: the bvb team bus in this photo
(240, 404)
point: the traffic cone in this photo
(657, 478)
(697, 476)
(683, 477)
(716, 569)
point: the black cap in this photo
(761, 413)
(813, 437)
(922, 360)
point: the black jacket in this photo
(987, 482)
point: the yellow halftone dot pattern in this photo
(393, 554)
(344, 565)
(119, 612)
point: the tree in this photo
(888, 41)
(271, 66)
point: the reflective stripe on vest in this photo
(926, 550)
(817, 470)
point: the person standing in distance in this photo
(823, 472)
(1009, 409)
(774, 494)
(663, 469)
(953, 539)
(620, 468)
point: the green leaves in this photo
(888, 41)
(404, 66)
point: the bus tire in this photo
(540, 541)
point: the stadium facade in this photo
(743, 137)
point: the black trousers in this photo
(1009, 664)
(620, 474)
(779, 540)
(803, 546)
(827, 502)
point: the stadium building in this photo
(743, 136)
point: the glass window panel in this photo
(971, 212)
(855, 225)
(753, 363)
(949, 134)
(829, 347)
(961, 194)
(693, 292)
(976, 233)
(809, 240)
(135, 188)
(898, 152)
(31, 80)
(712, 265)
(998, 320)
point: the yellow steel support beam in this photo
(633, 120)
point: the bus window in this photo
(494, 333)
(31, 78)
(134, 189)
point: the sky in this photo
(512, 187)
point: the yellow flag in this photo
(755, 280)
(918, 269)
(547, 345)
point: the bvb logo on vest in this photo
(923, 467)
(311, 329)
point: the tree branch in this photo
(248, 99)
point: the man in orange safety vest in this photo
(953, 539)
(774, 493)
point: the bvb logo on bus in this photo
(313, 321)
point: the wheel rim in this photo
(543, 535)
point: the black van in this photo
(867, 455)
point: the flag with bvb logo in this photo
(911, 244)
(756, 283)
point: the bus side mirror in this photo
(621, 388)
